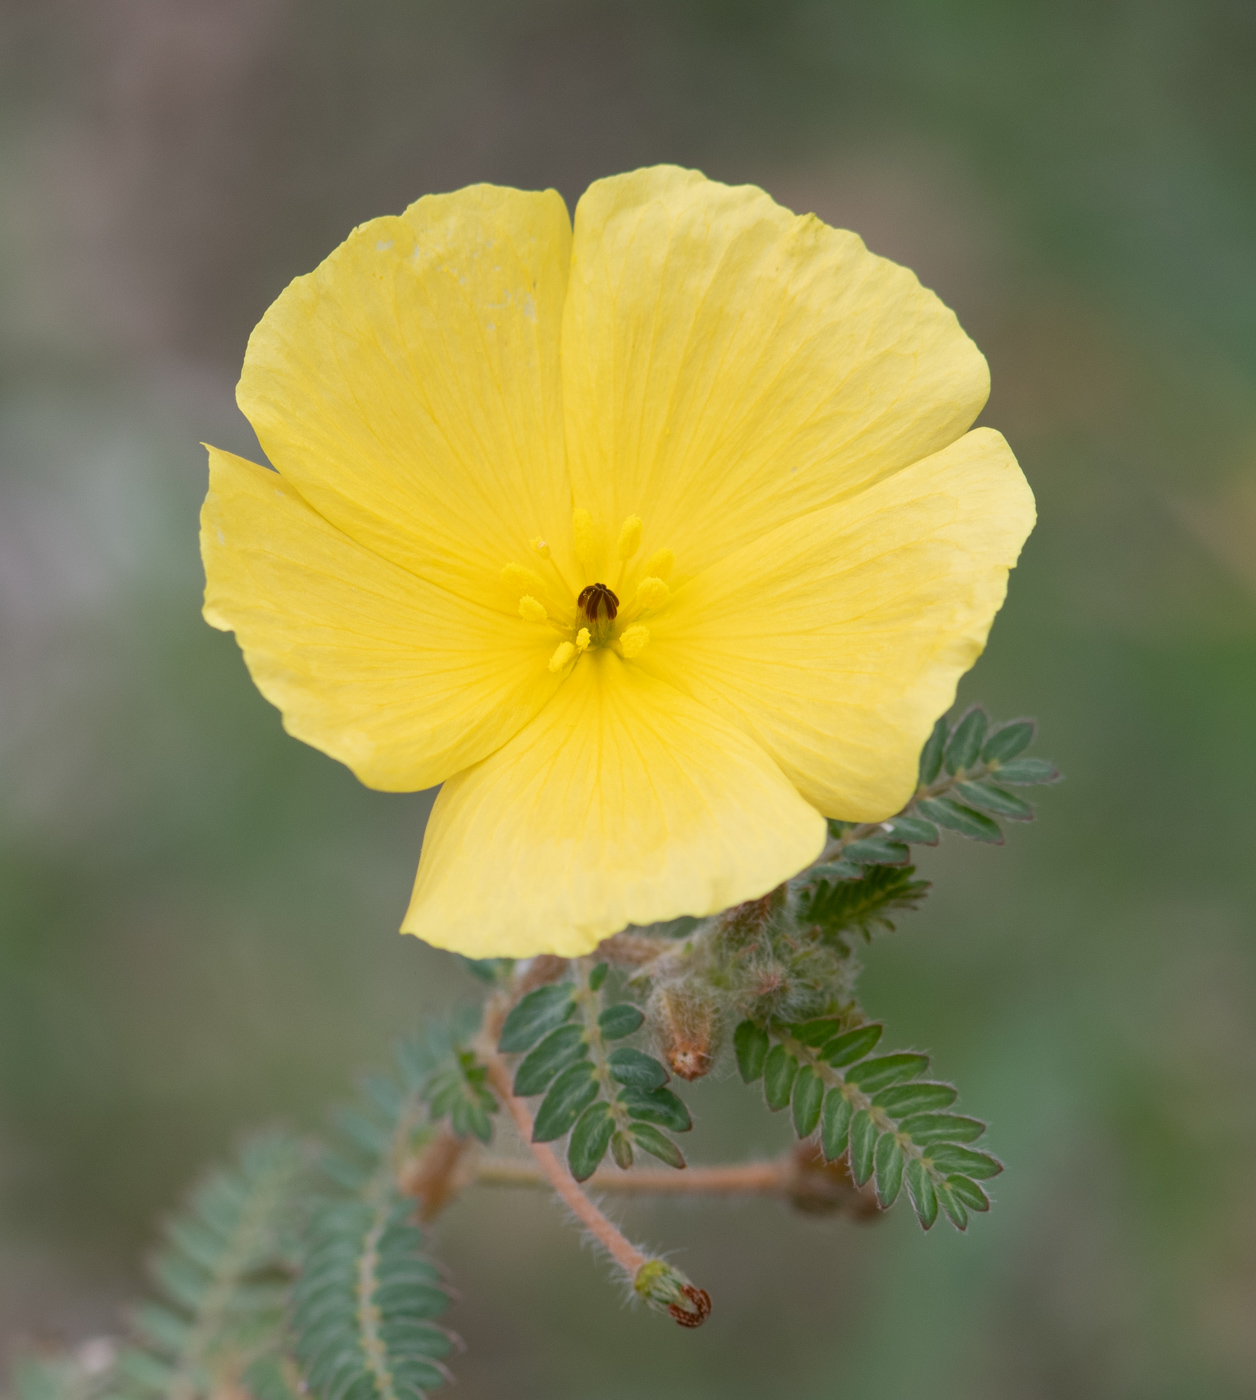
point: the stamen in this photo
(531, 610)
(583, 639)
(541, 548)
(660, 563)
(652, 593)
(630, 537)
(521, 580)
(632, 642)
(582, 529)
(563, 653)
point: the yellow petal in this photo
(837, 641)
(409, 387)
(402, 680)
(728, 367)
(622, 802)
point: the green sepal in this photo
(1024, 772)
(751, 1044)
(835, 1124)
(966, 820)
(620, 1020)
(954, 1209)
(589, 1140)
(621, 1150)
(570, 1094)
(659, 1106)
(637, 1069)
(968, 1192)
(779, 1070)
(536, 1015)
(948, 1158)
(863, 1142)
(884, 1070)
(924, 1097)
(1008, 740)
(994, 799)
(889, 1167)
(553, 1054)
(931, 754)
(876, 850)
(924, 1198)
(925, 1128)
(914, 829)
(966, 741)
(853, 1045)
(598, 976)
(658, 1145)
(808, 1099)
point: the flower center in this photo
(600, 618)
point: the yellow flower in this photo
(655, 541)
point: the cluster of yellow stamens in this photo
(599, 618)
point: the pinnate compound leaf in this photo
(884, 1070)
(931, 754)
(1024, 772)
(538, 1013)
(659, 1106)
(876, 850)
(1008, 740)
(949, 1158)
(922, 1097)
(889, 1168)
(965, 820)
(751, 1044)
(637, 1069)
(923, 1197)
(545, 1060)
(854, 1045)
(620, 1020)
(835, 1124)
(865, 905)
(779, 1070)
(570, 1094)
(925, 1128)
(994, 799)
(968, 1193)
(658, 1145)
(808, 1098)
(863, 1141)
(589, 1140)
(965, 742)
(914, 829)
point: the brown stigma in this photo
(597, 600)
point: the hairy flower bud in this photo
(666, 1289)
(686, 1025)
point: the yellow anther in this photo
(660, 563)
(530, 610)
(582, 528)
(630, 537)
(583, 639)
(541, 548)
(632, 642)
(563, 653)
(520, 580)
(652, 593)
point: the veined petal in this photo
(728, 366)
(623, 802)
(409, 387)
(837, 640)
(402, 680)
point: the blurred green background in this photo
(198, 915)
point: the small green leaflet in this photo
(538, 1013)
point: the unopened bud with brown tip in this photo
(686, 1025)
(666, 1289)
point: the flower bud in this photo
(666, 1289)
(686, 1026)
